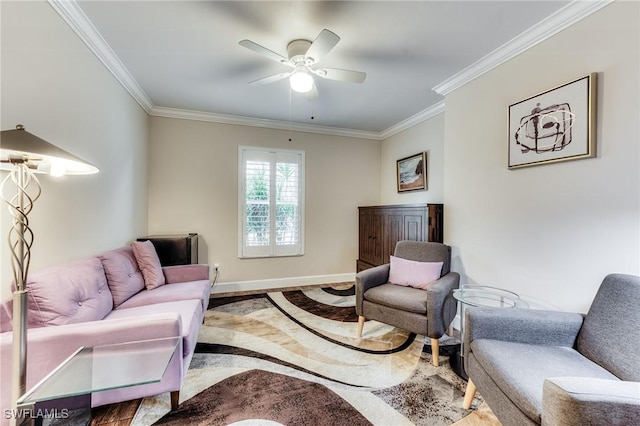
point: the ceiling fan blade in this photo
(312, 94)
(270, 79)
(325, 41)
(264, 51)
(342, 75)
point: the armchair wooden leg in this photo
(435, 352)
(175, 400)
(360, 325)
(468, 395)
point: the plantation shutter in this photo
(271, 202)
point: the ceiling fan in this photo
(303, 56)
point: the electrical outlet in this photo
(216, 267)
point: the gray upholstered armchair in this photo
(426, 312)
(559, 368)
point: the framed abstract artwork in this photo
(553, 126)
(412, 173)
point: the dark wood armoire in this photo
(381, 227)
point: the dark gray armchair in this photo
(559, 368)
(426, 312)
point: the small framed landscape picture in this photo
(412, 173)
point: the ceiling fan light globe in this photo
(301, 82)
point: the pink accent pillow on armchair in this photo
(149, 263)
(412, 273)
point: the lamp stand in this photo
(20, 241)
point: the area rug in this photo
(292, 358)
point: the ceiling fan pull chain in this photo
(290, 129)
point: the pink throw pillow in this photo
(415, 274)
(149, 263)
(68, 293)
(124, 276)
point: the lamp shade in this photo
(42, 157)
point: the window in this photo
(271, 202)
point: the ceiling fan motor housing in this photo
(296, 51)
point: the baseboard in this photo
(279, 283)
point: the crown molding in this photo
(88, 33)
(553, 24)
(563, 18)
(261, 122)
(415, 119)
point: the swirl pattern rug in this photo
(292, 358)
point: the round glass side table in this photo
(478, 295)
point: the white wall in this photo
(193, 187)
(551, 232)
(59, 90)
(427, 136)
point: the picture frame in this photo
(553, 126)
(411, 173)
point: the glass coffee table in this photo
(476, 295)
(100, 368)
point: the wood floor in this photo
(115, 414)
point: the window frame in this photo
(273, 249)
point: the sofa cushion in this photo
(124, 277)
(520, 369)
(199, 290)
(404, 298)
(68, 293)
(149, 262)
(413, 273)
(191, 316)
(6, 310)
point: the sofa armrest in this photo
(185, 273)
(570, 401)
(441, 306)
(521, 325)
(367, 279)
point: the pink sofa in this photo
(103, 300)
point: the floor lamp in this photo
(23, 155)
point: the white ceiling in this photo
(183, 57)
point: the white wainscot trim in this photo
(279, 283)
